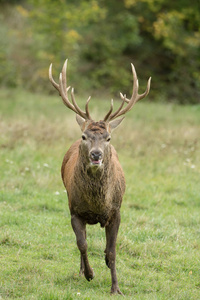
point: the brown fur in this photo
(100, 193)
(94, 194)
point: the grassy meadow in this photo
(158, 247)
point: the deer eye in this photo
(84, 137)
(108, 139)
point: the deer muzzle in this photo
(96, 157)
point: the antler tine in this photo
(135, 84)
(64, 75)
(51, 78)
(107, 117)
(53, 81)
(112, 116)
(63, 89)
(122, 97)
(119, 109)
(87, 108)
(134, 98)
(79, 111)
(147, 90)
(136, 95)
(64, 94)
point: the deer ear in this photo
(80, 121)
(113, 124)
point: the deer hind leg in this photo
(79, 228)
(110, 251)
(82, 266)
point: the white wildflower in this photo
(163, 146)
(9, 161)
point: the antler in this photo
(134, 98)
(63, 89)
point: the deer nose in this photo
(96, 155)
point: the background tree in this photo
(101, 38)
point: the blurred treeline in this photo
(101, 38)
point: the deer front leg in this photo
(110, 257)
(79, 228)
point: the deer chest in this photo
(94, 203)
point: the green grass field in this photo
(158, 248)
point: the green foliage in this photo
(102, 38)
(174, 30)
(158, 243)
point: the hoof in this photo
(90, 275)
(81, 273)
(115, 291)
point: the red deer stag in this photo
(93, 176)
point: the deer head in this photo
(96, 135)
